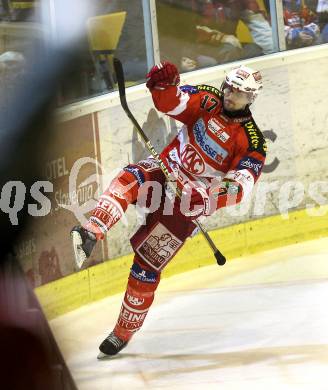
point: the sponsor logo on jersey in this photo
(192, 161)
(211, 148)
(148, 165)
(223, 136)
(159, 247)
(255, 138)
(216, 128)
(252, 164)
(137, 173)
(143, 275)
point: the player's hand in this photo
(162, 75)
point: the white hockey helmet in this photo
(244, 79)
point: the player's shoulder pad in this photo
(209, 88)
(256, 141)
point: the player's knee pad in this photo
(146, 170)
(124, 187)
(126, 184)
(143, 279)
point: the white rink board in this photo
(293, 106)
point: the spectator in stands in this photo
(322, 12)
(301, 28)
(131, 51)
(199, 33)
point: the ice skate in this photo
(83, 243)
(111, 346)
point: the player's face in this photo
(235, 100)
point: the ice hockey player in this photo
(215, 160)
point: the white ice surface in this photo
(259, 322)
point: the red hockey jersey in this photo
(214, 147)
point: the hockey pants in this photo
(155, 243)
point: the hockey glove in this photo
(162, 75)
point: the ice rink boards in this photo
(259, 322)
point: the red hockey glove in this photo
(163, 74)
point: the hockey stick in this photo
(121, 87)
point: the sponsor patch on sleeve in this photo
(252, 164)
(210, 89)
(255, 138)
(189, 89)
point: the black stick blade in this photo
(119, 76)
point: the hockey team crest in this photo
(192, 161)
(158, 248)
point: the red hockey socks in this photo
(113, 203)
(137, 300)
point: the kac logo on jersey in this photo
(208, 145)
(192, 161)
(251, 163)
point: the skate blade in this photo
(79, 254)
(103, 356)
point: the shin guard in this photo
(137, 300)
